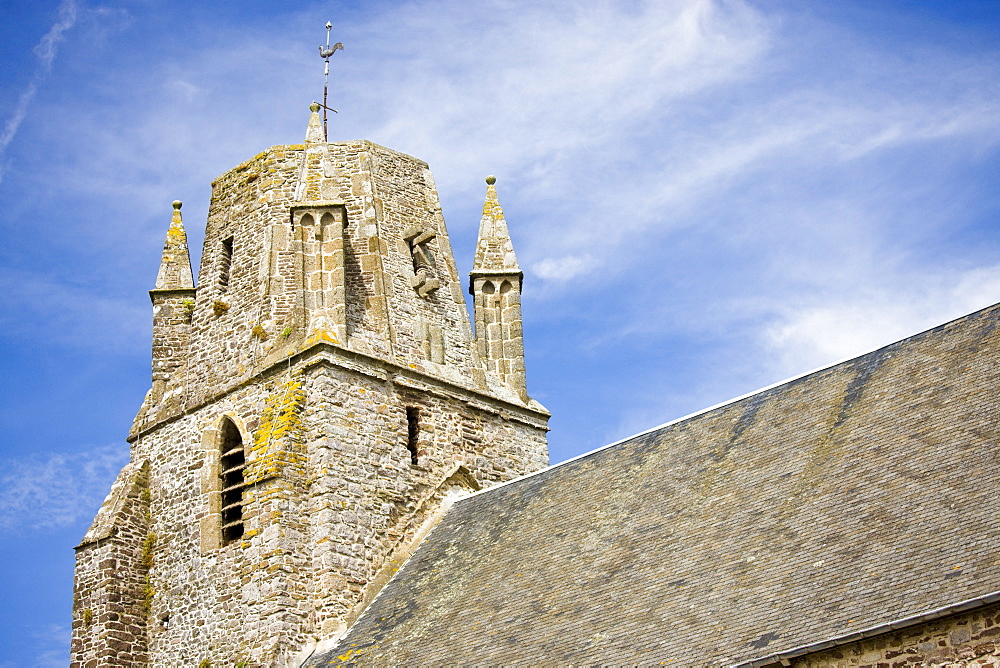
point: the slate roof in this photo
(850, 497)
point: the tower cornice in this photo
(531, 413)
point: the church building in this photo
(335, 466)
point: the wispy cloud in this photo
(540, 88)
(57, 489)
(832, 329)
(45, 53)
(54, 646)
(774, 139)
(564, 268)
(49, 307)
(50, 647)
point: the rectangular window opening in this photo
(226, 263)
(412, 432)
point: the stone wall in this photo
(382, 193)
(112, 591)
(969, 639)
(171, 331)
(499, 328)
(333, 497)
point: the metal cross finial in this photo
(325, 52)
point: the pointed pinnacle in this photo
(175, 265)
(494, 251)
(314, 131)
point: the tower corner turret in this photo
(495, 285)
(173, 302)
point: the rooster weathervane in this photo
(325, 52)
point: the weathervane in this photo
(325, 52)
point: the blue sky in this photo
(707, 196)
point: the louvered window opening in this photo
(233, 462)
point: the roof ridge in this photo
(729, 402)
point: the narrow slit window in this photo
(412, 431)
(226, 263)
(233, 461)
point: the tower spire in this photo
(495, 285)
(173, 303)
(314, 131)
(175, 265)
(494, 251)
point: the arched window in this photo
(233, 461)
(325, 223)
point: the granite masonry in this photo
(316, 403)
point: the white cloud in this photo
(767, 127)
(47, 48)
(564, 268)
(542, 86)
(57, 489)
(45, 53)
(17, 117)
(184, 89)
(48, 307)
(812, 336)
(54, 644)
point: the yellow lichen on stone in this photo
(279, 435)
(320, 335)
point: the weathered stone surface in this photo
(112, 592)
(495, 285)
(315, 401)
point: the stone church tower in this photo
(315, 402)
